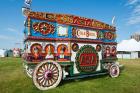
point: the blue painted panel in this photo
(55, 34)
(38, 34)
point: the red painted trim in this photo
(62, 59)
(49, 59)
(110, 43)
(64, 39)
(69, 39)
(71, 20)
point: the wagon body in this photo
(81, 46)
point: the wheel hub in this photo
(114, 71)
(48, 74)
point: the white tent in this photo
(3, 53)
(128, 49)
(139, 43)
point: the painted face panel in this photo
(113, 51)
(62, 49)
(49, 49)
(36, 50)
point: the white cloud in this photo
(4, 37)
(11, 29)
(134, 18)
(131, 2)
(136, 10)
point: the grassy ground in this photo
(13, 80)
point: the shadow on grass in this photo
(64, 82)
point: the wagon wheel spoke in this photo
(44, 82)
(52, 67)
(39, 74)
(40, 77)
(43, 68)
(46, 67)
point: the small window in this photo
(62, 30)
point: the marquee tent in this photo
(128, 49)
(3, 53)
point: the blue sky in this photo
(127, 14)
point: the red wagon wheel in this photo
(47, 75)
(114, 70)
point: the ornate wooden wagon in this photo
(62, 47)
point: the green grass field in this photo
(13, 80)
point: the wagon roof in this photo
(71, 20)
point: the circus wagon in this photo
(62, 47)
